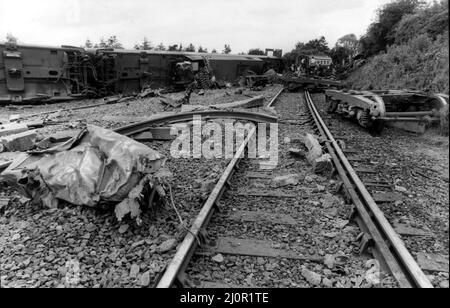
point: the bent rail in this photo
(171, 118)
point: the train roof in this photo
(194, 56)
(320, 57)
(63, 47)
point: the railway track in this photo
(387, 245)
(272, 237)
(253, 234)
(404, 177)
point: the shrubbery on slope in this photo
(419, 58)
(422, 64)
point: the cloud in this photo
(243, 24)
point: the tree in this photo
(319, 45)
(431, 20)
(202, 50)
(226, 49)
(145, 45)
(173, 47)
(381, 34)
(88, 44)
(346, 48)
(161, 47)
(214, 51)
(11, 38)
(256, 52)
(349, 42)
(111, 42)
(190, 48)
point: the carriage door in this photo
(14, 71)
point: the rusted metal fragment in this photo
(263, 217)
(257, 248)
(387, 197)
(267, 194)
(433, 262)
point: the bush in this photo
(432, 20)
(422, 63)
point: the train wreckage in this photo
(409, 110)
(30, 73)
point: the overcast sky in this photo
(243, 24)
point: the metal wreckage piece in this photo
(96, 168)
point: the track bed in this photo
(301, 227)
(408, 176)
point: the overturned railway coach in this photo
(31, 73)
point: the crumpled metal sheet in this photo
(96, 166)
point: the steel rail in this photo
(402, 265)
(189, 244)
(140, 127)
(274, 99)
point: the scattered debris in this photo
(4, 202)
(312, 277)
(19, 142)
(321, 162)
(286, 180)
(404, 229)
(218, 258)
(123, 228)
(134, 270)
(254, 102)
(148, 92)
(167, 245)
(98, 166)
(145, 279)
(401, 189)
(12, 128)
(329, 261)
(297, 153)
(433, 262)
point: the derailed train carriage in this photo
(31, 73)
(35, 73)
(409, 110)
